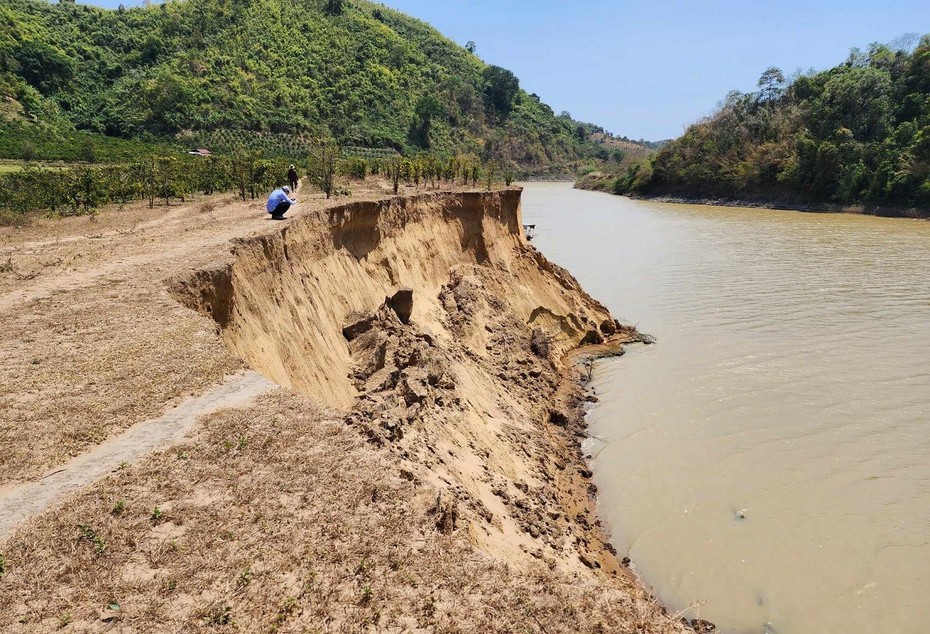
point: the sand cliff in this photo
(459, 392)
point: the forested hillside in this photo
(857, 133)
(228, 71)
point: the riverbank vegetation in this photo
(80, 83)
(858, 133)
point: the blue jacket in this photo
(277, 197)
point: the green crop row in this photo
(163, 179)
(155, 179)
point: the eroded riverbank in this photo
(419, 469)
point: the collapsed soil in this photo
(419, 472)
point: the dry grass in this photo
(277, 519)
(91, 339)
(83, 365)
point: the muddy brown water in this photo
(766, 465)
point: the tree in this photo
(471, 47)
(394, 170)
(771, 85)
(88, 151)
(87, 190)
(906, 43)
(241, 169)
(500, 90)
(426, 109)
(335, 7)
(490, 175)
(321, 170)
(43, 65)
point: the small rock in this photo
(413, 387)
(427, 335)
(608, 327)
(539, 343)
(358, 324)
(401, 303)
(702, 627)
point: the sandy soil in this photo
(416, 474)
(24, 500)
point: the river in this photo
(766, 465)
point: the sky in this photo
(646, 69)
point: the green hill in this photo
(858, 133)
(226, 71)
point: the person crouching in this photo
(279, 203)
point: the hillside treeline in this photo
(858, 133)
(348, 70)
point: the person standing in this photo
(279, 202)
(292, 177)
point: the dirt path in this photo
(21, 502)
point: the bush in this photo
(355, 168)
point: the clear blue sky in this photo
(645, 69)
